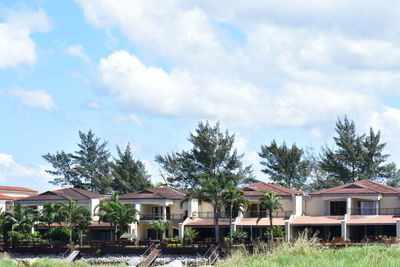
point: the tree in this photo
(285, 166)
(22, 219)
(190, 234)
(88, 168)
(270, 202)
(234, 198)
(74, 215)
(118, 214)
(48, 215)
(356, 157)
(129, 175)
(207, 168)
(160, 227)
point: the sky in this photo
(145, 72)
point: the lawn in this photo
(52, 263)
(372, 255)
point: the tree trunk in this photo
(115, 232)
(70, 234)
(271, 226)
(81, 238)
(216, 222)
(230, 224)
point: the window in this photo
(367, 207)
(338, 207)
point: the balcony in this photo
(159, 216)
(374, 211)
(263, 214)
(210, 215)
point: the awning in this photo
(317, 220)
(205, 222)
(262, 222)
(372, 219)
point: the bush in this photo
(278, 231)
(60, 233)
(239, 237)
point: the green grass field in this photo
(366, 256)
(52, 263)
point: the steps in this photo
(151, 257)
(72, 256)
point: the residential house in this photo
(8, 194)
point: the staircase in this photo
(211, 255)
(72, 256)
(151, 257)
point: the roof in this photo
(374, 219)
(14, 188)
(93, 224)
(205, 222)
(317, 220)
(262, 222)
(359, 187)
(162, 192)
(259, 188)
(65, 193)
(5, 197)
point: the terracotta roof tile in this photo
(262, 222)
(374, 219)
(65, 193)
(14, 188)
(204, 222)
(162, 192)
(317, 220)
(258, 189)
(360, 187)
(5, 197)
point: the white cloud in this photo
(16, 44)
(11, 170)
(32, 98)
(78, 51)
(94, 105)
(128, 117)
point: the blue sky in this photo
(145, 72)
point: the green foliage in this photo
(160, 227)
(118, 214)
(270, 202)
(60, 233)
(88, 168)
(238, 237)
(129, 175)
(277, 231)
(190, 234)
(99, 253)
(207, 168)
(21, 219)
(356, 157)
(285, 166)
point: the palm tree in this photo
(234, 198)
(118, 214)
(48, 215)
(22, 219)
(270, 202)
(160, 227)
(73, 215)
(190, 234)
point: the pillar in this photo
(344, 230)
(288, 231)
(181, 231)
(398, 227)
(348, 206)
(164, 213)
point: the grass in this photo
(307, 252)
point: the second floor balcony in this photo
(160, 216)
(375, 211)
(264, 214)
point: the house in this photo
(353, 211)
(90, 200)
(8, 194)
(159, 203)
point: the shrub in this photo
(190, 234)
(278, 231)
(239, 237)
(60, 233)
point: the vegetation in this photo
(161, 227)
(238, 237)
(234, 198)
(6, 262)
(190, 234)
(22, 219)
(207, 169)
(118, 214)
(48, 215)
(285, 166)
(270, 202)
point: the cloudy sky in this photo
(145, 72)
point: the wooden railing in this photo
(264, 214)
(159, 216)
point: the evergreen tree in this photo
(129, 175)
(208, 168)
(356, 157)
(88, 168)
(285, 166)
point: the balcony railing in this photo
(210, 215)
(373, 211)
(159, 216)
(264, 214)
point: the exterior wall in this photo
(205, 207)
(177, 209)
(3, 207)
(389, 202)
(92, 208)
(315, 206)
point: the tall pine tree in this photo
(88, 168)
(129, 175)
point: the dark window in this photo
(338, 207)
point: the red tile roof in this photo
(317, 220)
(204, 222)
(65, 193)
(13, 188)
(374, 219)
(360, 187)
(162, 192)
(262, 222)
(5, 197)
(258, 189)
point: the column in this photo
(345, 230)
(348, 206)
(164, 213)
(181, 231)
(398, 227)
(288, 231)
